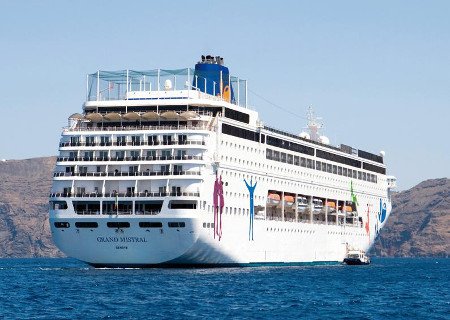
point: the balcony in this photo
(131, 143)
(118, 212)
(127, 174)
(138, 158)
(142, 194)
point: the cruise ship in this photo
(173, 168)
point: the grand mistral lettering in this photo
(121, 239)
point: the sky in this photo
(377, 72)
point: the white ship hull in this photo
(273, 242)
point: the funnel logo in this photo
(382, 213)
(251, 189)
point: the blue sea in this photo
(69, 289)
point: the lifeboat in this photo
(273, 199)
(346, 208)
(331, 205)
(289, 201)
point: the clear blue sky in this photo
(378, 72)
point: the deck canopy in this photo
(151, 115)
(170, 115)
(112, 116)
(94, 117)
(188, 115)
(76, 116)
(131, 116)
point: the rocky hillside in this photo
(418, 226)
(420, 222)
(24, 189)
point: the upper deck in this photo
(160, 98)
(113, 87)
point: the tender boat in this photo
(356, 257)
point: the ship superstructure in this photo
(171, 167)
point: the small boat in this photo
(356, 257)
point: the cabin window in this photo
(153, 140)
(121, 140)
(329, 168)
(134, 154)
(118, 224)
(104, 141)
(58, 205)
(182, 204)
(166, 154)
(120, 155)
(148, 224)
(87, 224)
(90, 141)
(290, 159)
(136, 140)
(237, 115)
(177, 224)
(61, 224)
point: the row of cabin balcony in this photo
(124, 194)
(131, 143)
(133, 157)
(177, 170)
(117, 168)
(135, 140)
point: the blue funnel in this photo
(210, 68)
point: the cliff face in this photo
(24, 189)
(419, 224)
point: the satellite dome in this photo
(305, 135)
(324, 140)
(167, 85)
(382, 153)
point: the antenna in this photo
(314, 125)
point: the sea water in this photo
(69, 289)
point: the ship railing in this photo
(131, 143)
(129, 212)
(151, 84)
(127, 174)
(117, 212)
(134, 128)
(138, 158)
(123, 194)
